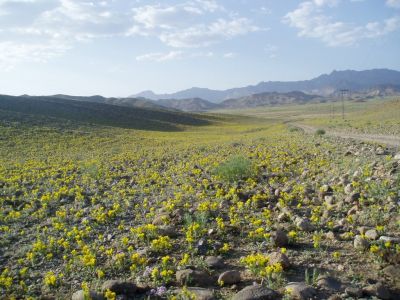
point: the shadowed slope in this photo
(101, 114)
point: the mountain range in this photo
(360, 85)
(324, 85)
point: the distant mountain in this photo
(193, 104)
(80, 111)
(324, 85)
(268, 99)
(129, 102)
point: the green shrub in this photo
(320, 131)
(235, 168)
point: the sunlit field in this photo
(166, 211)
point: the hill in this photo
(99, 113)
(268, 99)
(192, 104)
(325, 85)
(129, 102)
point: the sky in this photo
(121, 47)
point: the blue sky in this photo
(121, 47)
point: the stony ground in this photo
(248, 213)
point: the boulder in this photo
(214, 262)
(300, 290)
(279, 238)
(371, 234)
(80, 295)
(161, 219)
(304, 224)
(256, 292)
(329, 283)
(229, 277)
(193, 277)
(360, 243)
(202, 293)
(378, 290)
(119, 287)
(279, 257)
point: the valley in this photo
(146, 203)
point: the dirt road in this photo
(390, 140)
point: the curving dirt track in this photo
(389, 140)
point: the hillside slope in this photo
(100, 113)
(192, 104)
(268, 99)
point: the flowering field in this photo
(218, 207)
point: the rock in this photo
(353, 210)
(202, 293)
(167, 230)
(160, 219)
(193, 277)
(324, 191)
(80, 295)
(397, 156)
(392, 272)
(304, 224)
(329, 200)
(202, 246)
(389, 239)
(363, 229)
(352, 197)
(279, 238)
(335, 297)
(371, 234)
(329, 283)
(348, 189)
(283, 217)
(214, 262)
(142, 288)
(229, 277)
(330, 235)
(119, 287)
(300, 290)
(360, 243)
(279, 257)
(353, 292)
(256, 292)
(378, 290)
(381, 151)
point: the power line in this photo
(342, 94)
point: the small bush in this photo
(235, 168)
(320, 131)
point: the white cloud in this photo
(230, 55)
(44, 25)
(393, 3)
(181, 25)
(326, 2)
(12, 53)
(172, 55)
(40, 30)
(311, 21)
(159, 57)
(204, 35)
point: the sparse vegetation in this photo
(236, 201)
(235, 168)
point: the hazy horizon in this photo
(119, 48)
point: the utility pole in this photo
(342, 94)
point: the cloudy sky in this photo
(121, 47)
